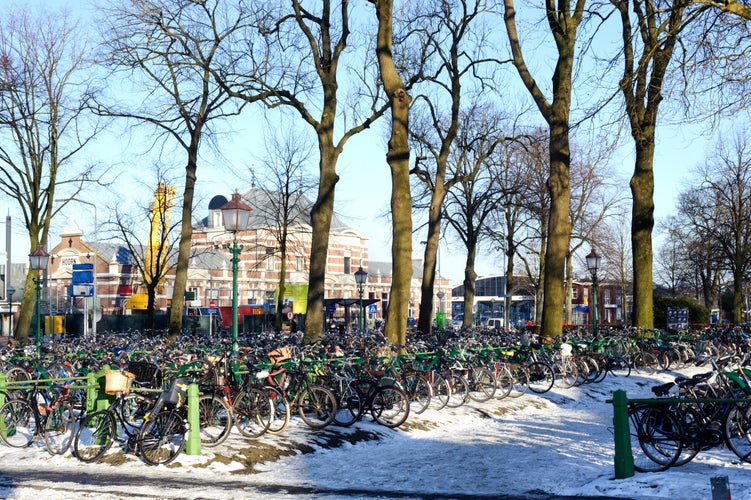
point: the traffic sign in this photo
(290, 315)
(212, 304)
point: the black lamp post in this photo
(593, 263)
(235, 214)
(361, 277)
(38, 261)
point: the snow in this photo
(559, 444)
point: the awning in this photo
(349, 302)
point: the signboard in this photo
(372, 309)
(212, 307)
(81, 290)
(677, 318)
(290, 315)
(190, 295)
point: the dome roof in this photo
(217, 202)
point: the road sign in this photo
(372, 309)
(82, 290)
(290, 315)
(212, 304)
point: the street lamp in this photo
(38, 261)
(593, 262)
(235, 214)
(361, 277)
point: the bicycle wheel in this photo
(566, 374)
(95, 436)
(282, 412)
(17, 376)
(692, 433)
(20, 423)
(655, 438)
(541, 377)
(520, 378)
(645, 362)
(459, 389)
(481, 384)
(253, 412)
(349, 405)
(737, 430)
(619, 366)
(504, 382)
(418, 390)
(317, 406)
(59, 428)
(440, 391)
(215, 419)
(390, 406)
(161, 438)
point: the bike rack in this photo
(624, 460)
(97, 399)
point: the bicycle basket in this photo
(146, 373)
(279, 355)
(116, 381)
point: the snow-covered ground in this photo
(555, 445)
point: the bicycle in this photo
(45, 413)
(99, 430)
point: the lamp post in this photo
(593, 262)
(38, 261)
(94, 307)
(361, 277)
(235, 214)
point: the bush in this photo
(697, 313)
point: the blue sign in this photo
(372, 309)
(82, 274)
(81, 290)
(331, 308)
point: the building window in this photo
(269, 259)
(300, 263)
(574, 293)
(347, 267)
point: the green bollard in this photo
(624, 460)
(193, 446)
(92, 391)
(102, 399)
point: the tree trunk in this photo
(425, 323)
(320, 219)
(186, 232)
(398, 160)
(469, 287)
(642, 223)
(559, 226)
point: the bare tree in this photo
(151, 253)
(470, 206)
(724, 211)
(169, 50)
(453, 33)
(595, 196)
(303, 52)
(648, 48)
(563, 20)
(43, 125)
(281, 206)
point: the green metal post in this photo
(624, 460)
(92, 391)
(594, 304)
(193, 446)
(362, 318)
(38, 283)
(235, 250)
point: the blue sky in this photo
(364, 190)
